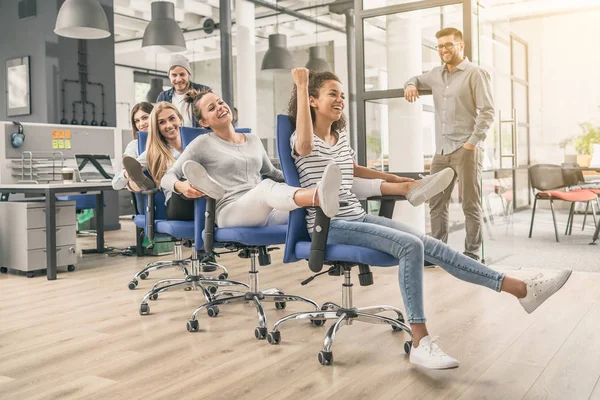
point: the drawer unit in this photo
(23, 235)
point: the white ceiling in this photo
(132, 16)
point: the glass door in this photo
(503, 154)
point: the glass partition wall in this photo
(395, 41)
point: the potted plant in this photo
(585, 142)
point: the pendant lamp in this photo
(82, 19)
(316, 59)
(156, 88)
(163, 35)
(277, 57)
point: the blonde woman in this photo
(162, 150)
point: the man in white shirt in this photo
(180, 77)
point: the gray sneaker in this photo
(540, 288)
(429, 186)
(136, 173)
(198, 177)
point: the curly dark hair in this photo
(316, 80)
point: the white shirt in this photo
(184, 108)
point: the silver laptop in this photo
(94, 167)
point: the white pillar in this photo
(246, 97)
(405, 128)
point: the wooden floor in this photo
(81, 336)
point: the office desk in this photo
(50, 191)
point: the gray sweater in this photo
(236, 167)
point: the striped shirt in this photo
(310, 170)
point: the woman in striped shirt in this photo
(320, 139)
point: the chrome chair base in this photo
(344, 315)
(254, 296)
(179, 263)
(192, 281)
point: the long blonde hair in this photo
(158, 153)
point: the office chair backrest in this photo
(297, 230)
(189, 134)
(546, 177)
(142, 139)
(572, 177)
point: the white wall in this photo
(125, 95)
(564, 75)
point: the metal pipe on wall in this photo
(296, 14)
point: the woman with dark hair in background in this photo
(140, 117)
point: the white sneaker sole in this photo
(198, 177)
(450, 365)
(425, 191)
(329, 190)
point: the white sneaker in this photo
(328, 190)
(198, 177)
(430, 186)
(429, 355)
(540, 288)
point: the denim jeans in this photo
(410, 247)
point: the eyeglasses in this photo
(447, 46)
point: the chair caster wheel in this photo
(132, 285)
(144, 309)
(274, 337)
(71, 268)
(154, 296)
(280, 305)
(223, 276)
(325, 357)
(144, 276)
(30, 274)
(212, 311)
(187, 288)
(260, 333)
(317, 322)
(193, 326)
(3, 270)
(212, 289)
(407, 346)
(397, 328)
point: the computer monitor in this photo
(94, 167)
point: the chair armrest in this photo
(209, 225)
(387, 198)
(387, 204)
(319, 241)
(150, 213)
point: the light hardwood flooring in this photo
(81, 336)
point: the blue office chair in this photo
(145, 227)
(182, 233)
(252, 243)
(340, 258)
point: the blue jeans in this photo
(410, 247)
